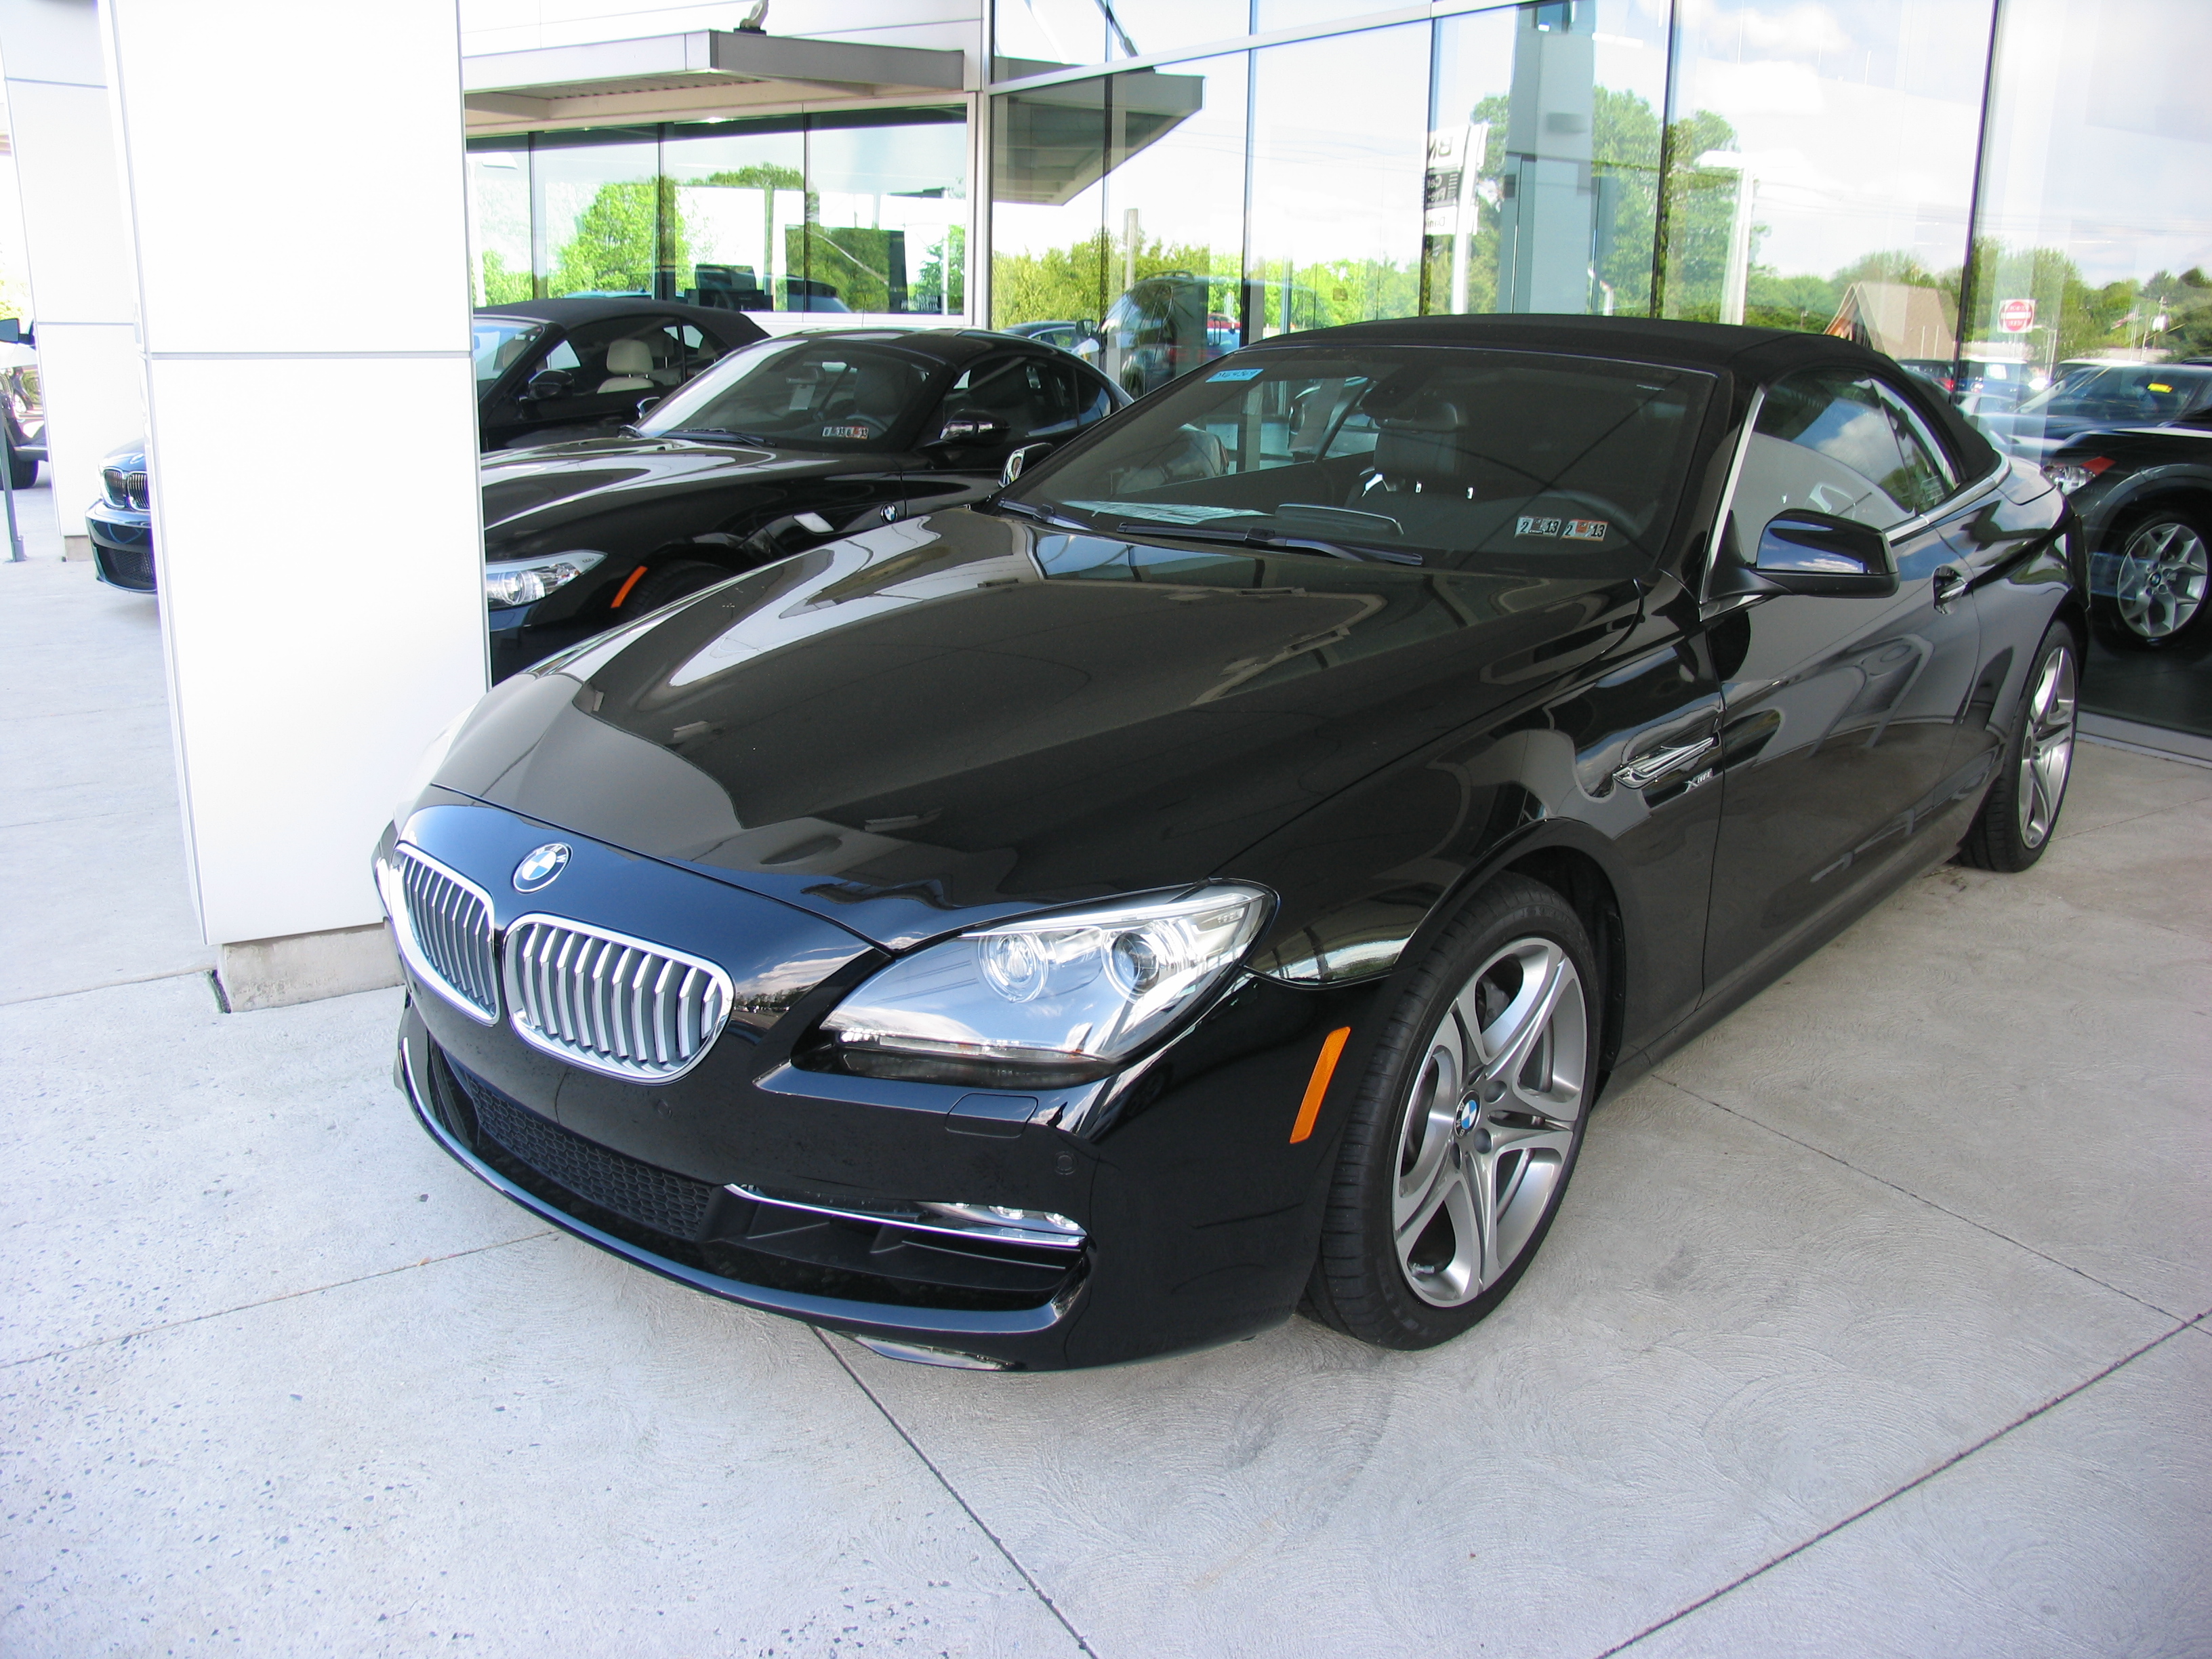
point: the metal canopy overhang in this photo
(709, 70)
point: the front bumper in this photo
(1199, 1217)
(122, 546)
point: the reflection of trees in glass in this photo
(2074, 317)
(1625, 170)
(502, 286)
(1073, 284)
(631, 227)
(940, 286)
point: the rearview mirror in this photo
(1020, 458)
(971, 430)
(546, 384)
(1817, 553)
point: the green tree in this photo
(630, 229)
(502, 286)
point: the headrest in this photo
(1425, 442)
(629, 357)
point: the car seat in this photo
(629, 367)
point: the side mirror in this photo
(972, 431)
(1817, 553)
(11, 330)
(546, 385)
(645, 406)
(1020, 458)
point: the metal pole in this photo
(8, 487)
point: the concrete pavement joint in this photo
(107, 985)
(1982, 1226)
(271, 1301)
(953, 1491)
(1922, 1479)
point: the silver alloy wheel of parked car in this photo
(2163, 575)
(1491, 1122)
(2047, 753)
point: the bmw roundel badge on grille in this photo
(538, 868)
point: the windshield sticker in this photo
(1238, 374)
(1566, 530)
(844, 432)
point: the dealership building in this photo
(1990, 189)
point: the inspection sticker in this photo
(1238, 374)
(1569, 529)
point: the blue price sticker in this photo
(1238, 374)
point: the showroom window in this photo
(863, 211)
(1821, 169)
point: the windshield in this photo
(499, 344)
(807, 391)
(1455, 457)
(2130, 392)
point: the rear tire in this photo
(2161, 565)
(22, 470)
(2020, 814)
(1466, 1126)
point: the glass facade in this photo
(863, 211)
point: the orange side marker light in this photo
(622, 592)
(1317, 1085)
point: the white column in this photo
(292, 178)
(84, 301)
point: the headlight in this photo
(1052, 1000)
(512, 582)
(2070, 475)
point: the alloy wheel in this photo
(1490, 1123)
(2162, 577)
(2046, 750)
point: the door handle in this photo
(1950, 583)
(1647, 769)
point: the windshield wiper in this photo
(1259, 538)
(712, 432)
(1024, 510)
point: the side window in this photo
(1035, 398)
(1929, 475)
(1826, 442)
(1093, 401)
(631, 355)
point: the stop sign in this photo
(2016, 316)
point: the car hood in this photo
(967, 715)
(529, 490)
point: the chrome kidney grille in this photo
(609, 1003)
(443, 923)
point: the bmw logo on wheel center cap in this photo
(540, 866)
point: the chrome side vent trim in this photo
(609, 1003)
(443, 921)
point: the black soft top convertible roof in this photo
(578, 309)
(1745, 356)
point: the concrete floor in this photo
(1874, 1324)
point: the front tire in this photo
(1466, 1126)
(2020, 812)
(671, 582)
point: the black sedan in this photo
(549, 370)
(785, 445)
(2144, 495)
(2087, 396)
(1219, 873)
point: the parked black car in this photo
(121, 523)
(2144, 495)
(1221, 871)
(550, 369)
(786, 444)
(2090, 397)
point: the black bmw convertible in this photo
(1218, 874)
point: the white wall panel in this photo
(301, 189)
(293, 173)
(323, 599)
(88, 374)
